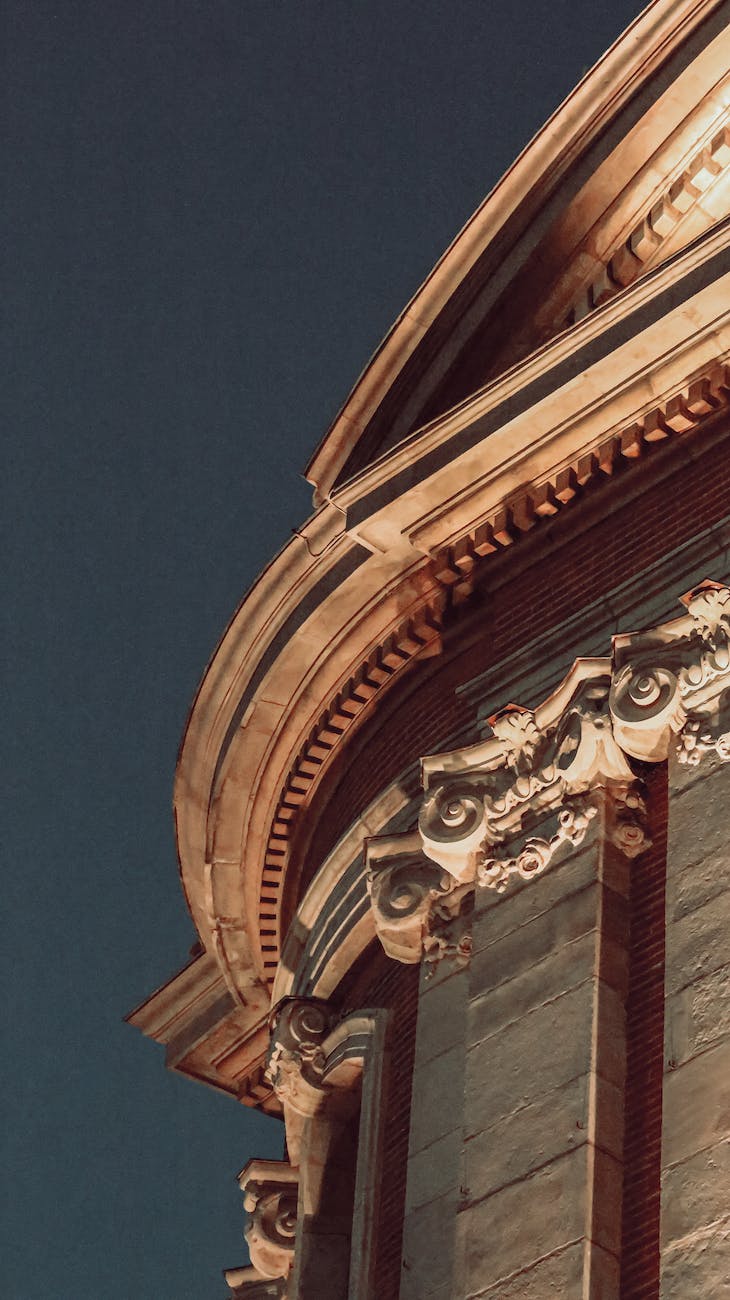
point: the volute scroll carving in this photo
(270, 1193)
(453, 824)
(296, 1059)
(402, 889)
(646, 710)
(486, 807)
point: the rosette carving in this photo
(696, 741)
(627, 823)
(401, 894)
(646, 710)
(537, 852)
(270, 1194)
(453, 826)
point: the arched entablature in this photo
(292, 682)
(646, 123)
(376, 581)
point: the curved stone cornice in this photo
(466, 283)
(359, 592)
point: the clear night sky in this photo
(214, 209)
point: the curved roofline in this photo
(650, 39)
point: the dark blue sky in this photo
(213, 211)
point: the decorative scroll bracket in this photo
(660, 690)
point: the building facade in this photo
(453, 803)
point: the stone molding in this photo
(507, 806)
(679, 413)
(454, 569)
(643, 247)
(598, 99)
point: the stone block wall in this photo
(435, 1155)
(695, 1229)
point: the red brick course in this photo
(645, 1056)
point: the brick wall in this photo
(377, 981)
(645, 1055)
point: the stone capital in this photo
(505, 807)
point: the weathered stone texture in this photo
(435, 1147)
(702, 1258)
(550, 1046)
(695, 1192)
(696, 1120)
(558, 1275)
(535, 1135)
(697, 1101)
(537, 1216)
(544, 1085)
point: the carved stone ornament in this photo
(537, 852)
(537, 763)
(270, 1191)
(448, 933)
(296, 1059)
(479, 802)
(403, 886)
(696, 740)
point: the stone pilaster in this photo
(540, 1212)
(435, 1141)
(695, 1220)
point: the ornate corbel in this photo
(419, 908)
(296, 1059)
(270, 1191)
(667, 681)
(403, 886)
(453, 826)
(537, 766)
(505, 807)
